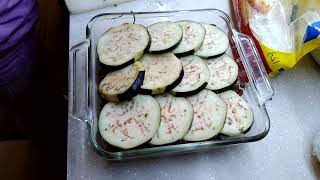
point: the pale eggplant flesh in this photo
(196, 76)
(239, 116)
(122, 45)
(129, 124)
(122, 84)
(165, 36)
(176, 118)
(162, 73)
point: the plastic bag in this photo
(283, 30)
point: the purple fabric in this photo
(17, 18)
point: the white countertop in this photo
(286, 152)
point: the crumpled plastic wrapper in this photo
(283, 30)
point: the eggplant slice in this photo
(215, 43)
(130, 123)
(209, 115)
(176, 118)
(122, 84)
(223, 73)
(162, 73)
(239, 115)
(165, 36)
(193, 36)
(122, 45)
(195, 78)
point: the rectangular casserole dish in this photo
(85, 74)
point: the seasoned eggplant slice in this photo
(209, 115)
(122, 45)
(193, 36)
(122, 84)
(195, 78)
(215, 43)
(165, 36)
(223, 73)
(130, 123)
(163, 72)
(176, 118)
(239, 115)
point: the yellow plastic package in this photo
(283, 30)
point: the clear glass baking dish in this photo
(85, 73)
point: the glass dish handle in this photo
(252, 63)
(78, 81)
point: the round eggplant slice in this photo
(193, 36)
(130, 123)
(195, 78)
(176, 118)
(215, 43)
(122, 45)
(209, 115)
(165, 36)
(122, 84)
(223, 73)
(239, 115)
(163, 72)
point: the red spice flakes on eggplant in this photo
(130, 123)
(176, 117)
(239, 114)
(209, 116)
